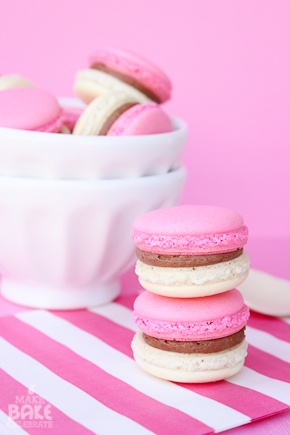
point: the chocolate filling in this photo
(115, 115)
(185, 260)
(206, 346)
(128, 80)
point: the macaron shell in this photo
(191, 310)
(70, 116)
(99, 111)
(193, 291)
(8, 81)
(197, 368)
(136, 67)
(189, 220)
(266, 294)
(141, 119)
(91, 83)
(29, 109)
(190, 230)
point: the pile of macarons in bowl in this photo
(75, 173)
(117, 127)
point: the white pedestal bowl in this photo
(65, 243)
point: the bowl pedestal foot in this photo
(51, 298)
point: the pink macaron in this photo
(118, 114)
(190, 319)
(70, 116)
(141, 119)
(114, 69)
(191, 340)
(30, 109)
(191, 251)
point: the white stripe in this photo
(8, 427)
(268, 343)
(248, 378)
(286, 319)
(251, 337)
(210, 412)
(119, 314)
(72, 401)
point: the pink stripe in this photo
(118, 337)
(267, 364)
(244, 400)
(111, 391)
(62, 424)
(272, 325)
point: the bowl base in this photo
(51, 298)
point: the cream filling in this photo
(181, 276)
(186, 361)
(99, 111)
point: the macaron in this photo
(191, 251)
(8, 81)
(70, 116)
(30, 109)
(190, 340)
(118, 114)
(114, 69)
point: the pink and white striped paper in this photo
(81, 363)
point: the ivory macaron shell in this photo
(99, 111)
(8, 81)
(266, 294)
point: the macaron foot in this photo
(193, 291)
(189, 377)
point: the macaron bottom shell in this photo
(192, 368)
(193, 291)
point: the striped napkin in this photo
(74, 372)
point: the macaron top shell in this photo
(141, 119)
(190, 230)
(136, 67)
(29, 109)
(192, 319)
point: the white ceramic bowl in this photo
(62, 156)
(65, 243)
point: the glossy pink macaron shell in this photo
(141, 119)
(136, 67)
(191, 319)
(70, 116)
(190, 230)
(30, 109)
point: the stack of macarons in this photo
(191, 318)
(123, 92)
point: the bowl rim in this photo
(179, 128)
(110, 183)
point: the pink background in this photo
(230, 65)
